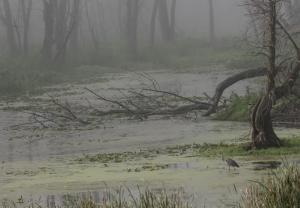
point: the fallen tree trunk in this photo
(251, 73)
(142, 112)
(149, 112)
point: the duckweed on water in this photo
(116, 157)
(290, 146)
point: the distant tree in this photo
(6, 17)
(173, 19)
(49, 23)
(76, 15)
(61, 19)
(132, 7)
(26, 9)
(212, 35)
(167, 21)
(164, 20)
(153, 22)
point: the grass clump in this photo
(289, 147)
(281, 189)
(120, 198)
(238, 108)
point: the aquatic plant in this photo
(120, 198)
(280, 189)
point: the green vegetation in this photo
(281, 189)
(238, 108)
(121, 198)
(290, 146)
(116, 157)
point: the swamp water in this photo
(40, 164)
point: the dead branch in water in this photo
(143, 109)
(142, 103)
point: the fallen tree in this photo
(142, 103)
(221, 87)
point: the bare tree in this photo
(132, 26)
(212, 35)
(153, 22)
(92, 29)
(49, 22)
(61, 20)
(263, 134)
(61, 27)
(164, 20)
(6, 17)
(26, 9)
(167, 22)
(173, 19)
(76, 15)
(101, 19)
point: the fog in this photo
(107, 19)
(149, 103)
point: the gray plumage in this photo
(232, 163)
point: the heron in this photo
(231, 162)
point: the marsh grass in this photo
(289, 147)
(120, 198)
(280, 190)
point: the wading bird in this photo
(230, 162)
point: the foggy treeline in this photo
(61, 31)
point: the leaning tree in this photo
(275, 39)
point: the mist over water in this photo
(98, 96)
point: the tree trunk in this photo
(76, 13)
(93, 32)
(132, 26)
(9, 24)
(211, 23)
(61, 24)
(164, 20)
(173, 20)
(49, 20)
(263, 134)
(26, 14)
(121, 22)
(153, 22)
(101, 18)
